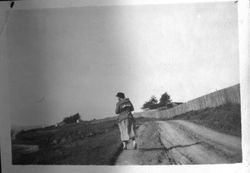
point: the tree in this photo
(151, 104)
(165, 100)
(153, 100)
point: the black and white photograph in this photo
(149, 84)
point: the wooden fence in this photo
(221, 97)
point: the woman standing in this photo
(126, 120)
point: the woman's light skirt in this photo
(127, 129)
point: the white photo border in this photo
(243, 24)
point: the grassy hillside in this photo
(225, 118)
(86, 143)
(76, 144)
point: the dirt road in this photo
(181, 142)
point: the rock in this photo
(63, 140)
(54, 142)
(90, 134)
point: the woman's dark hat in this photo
(120, 95)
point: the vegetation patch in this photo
(84, 143)
(74, 144)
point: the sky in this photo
(68, 60)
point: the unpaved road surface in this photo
(181, 142)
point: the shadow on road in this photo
(170, 148)
(151, 149)
(183, 146)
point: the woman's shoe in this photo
(124, 146)
(134, 145)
